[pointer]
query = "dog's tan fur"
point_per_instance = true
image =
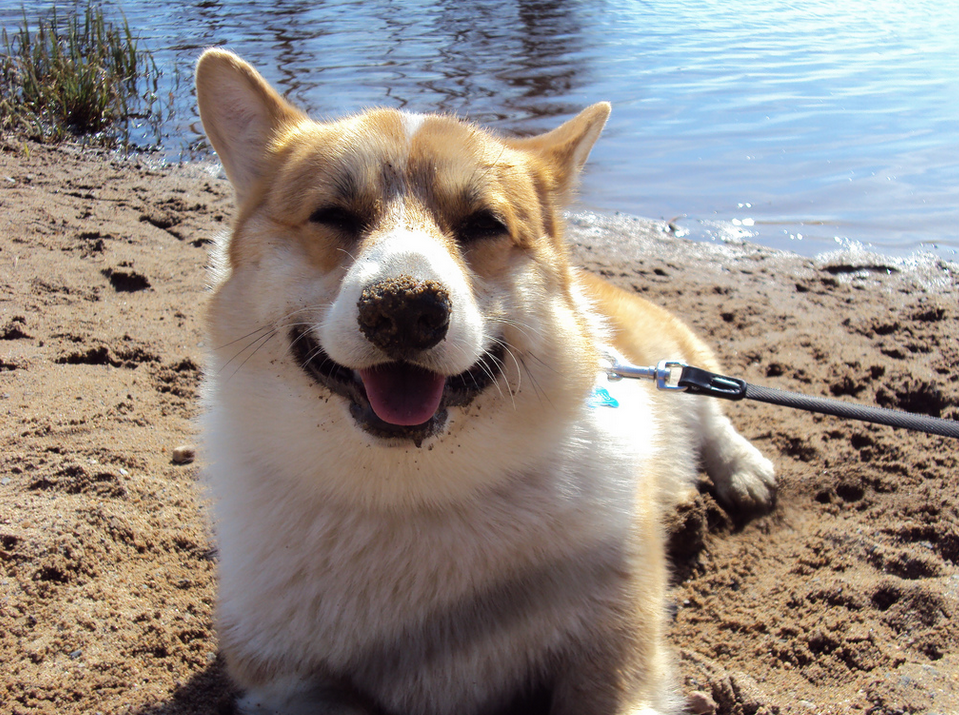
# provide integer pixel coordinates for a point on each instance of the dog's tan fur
(505, 553)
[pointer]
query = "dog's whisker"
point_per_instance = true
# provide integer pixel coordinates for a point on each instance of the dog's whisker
(314, 354)
(343, 250)
(498, 363)
(263, 340)
(249, 345)
(260, 340)
(243, 337)
(540, 393)
(528, 331)
(520, 368)
(298, 337)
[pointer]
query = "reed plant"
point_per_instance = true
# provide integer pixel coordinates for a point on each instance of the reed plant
(79, 75)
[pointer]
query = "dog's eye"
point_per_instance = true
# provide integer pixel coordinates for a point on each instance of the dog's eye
(338, 218)
(480, 225)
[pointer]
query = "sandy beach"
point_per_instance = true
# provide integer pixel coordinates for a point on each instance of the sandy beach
(844, 599)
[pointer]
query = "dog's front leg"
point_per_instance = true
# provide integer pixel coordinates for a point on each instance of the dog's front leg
(626, 670)
(595, 693)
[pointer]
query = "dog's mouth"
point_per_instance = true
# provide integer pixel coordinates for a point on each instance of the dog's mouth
(398, 399)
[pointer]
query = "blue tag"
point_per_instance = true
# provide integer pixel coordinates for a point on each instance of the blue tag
(602, 398)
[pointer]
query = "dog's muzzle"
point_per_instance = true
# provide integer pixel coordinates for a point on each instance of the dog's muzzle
(399, 398)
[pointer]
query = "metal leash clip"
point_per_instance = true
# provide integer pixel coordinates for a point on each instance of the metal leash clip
(666, 373)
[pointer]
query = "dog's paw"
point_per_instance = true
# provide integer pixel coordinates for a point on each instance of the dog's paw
(746, 482)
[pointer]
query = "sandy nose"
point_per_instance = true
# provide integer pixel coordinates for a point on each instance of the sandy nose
(402, 315)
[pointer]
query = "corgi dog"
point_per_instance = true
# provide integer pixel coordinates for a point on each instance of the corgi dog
(421, 505)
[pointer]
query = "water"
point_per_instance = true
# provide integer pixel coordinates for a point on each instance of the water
(795, 126)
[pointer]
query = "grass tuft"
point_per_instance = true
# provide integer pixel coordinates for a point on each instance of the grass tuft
(76, 76)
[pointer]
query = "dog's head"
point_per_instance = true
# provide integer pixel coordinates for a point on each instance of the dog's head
(410, 264)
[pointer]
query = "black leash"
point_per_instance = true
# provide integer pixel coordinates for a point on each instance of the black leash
(675, 375)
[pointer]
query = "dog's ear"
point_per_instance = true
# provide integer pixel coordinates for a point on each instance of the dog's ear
(241, 115)
(566, 148)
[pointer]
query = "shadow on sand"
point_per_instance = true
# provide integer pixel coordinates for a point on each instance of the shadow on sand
(208, 692)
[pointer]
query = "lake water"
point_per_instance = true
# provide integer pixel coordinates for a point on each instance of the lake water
(794, 125)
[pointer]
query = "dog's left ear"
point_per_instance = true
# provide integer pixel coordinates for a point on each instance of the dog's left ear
(566, 148)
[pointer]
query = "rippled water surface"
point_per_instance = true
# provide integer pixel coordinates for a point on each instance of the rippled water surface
(795, 125)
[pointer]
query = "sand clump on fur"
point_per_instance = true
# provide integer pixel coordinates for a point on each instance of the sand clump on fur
(842, 600)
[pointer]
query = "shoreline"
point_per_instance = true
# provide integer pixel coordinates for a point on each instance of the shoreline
(651, 237)
(209, 165)
(845, 599)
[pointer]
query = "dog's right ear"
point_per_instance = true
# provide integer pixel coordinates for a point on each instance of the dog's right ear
(241, 116)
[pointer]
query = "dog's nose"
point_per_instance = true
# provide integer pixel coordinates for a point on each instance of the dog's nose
(402, 315)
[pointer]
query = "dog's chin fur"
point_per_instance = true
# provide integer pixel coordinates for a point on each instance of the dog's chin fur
(506, 550)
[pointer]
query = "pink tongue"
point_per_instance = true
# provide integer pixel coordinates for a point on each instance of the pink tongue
(403, 394)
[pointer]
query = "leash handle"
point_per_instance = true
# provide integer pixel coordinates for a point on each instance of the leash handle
(678, 376)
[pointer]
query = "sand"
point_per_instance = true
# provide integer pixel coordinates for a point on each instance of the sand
(844, 599)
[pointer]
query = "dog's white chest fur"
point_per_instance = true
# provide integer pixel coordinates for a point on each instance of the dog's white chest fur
(404, 599)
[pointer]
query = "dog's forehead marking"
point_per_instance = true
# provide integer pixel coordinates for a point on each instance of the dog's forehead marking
(411, 123)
